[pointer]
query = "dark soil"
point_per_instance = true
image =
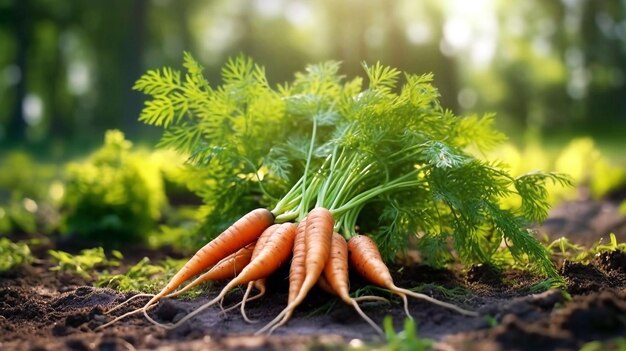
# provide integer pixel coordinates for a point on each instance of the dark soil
(44, 310)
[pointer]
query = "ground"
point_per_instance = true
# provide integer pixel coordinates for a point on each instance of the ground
(44, 310)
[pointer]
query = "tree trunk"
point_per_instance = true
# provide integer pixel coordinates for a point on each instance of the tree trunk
(17, 124)
(135, 44)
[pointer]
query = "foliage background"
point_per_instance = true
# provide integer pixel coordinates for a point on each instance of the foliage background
(547, 67)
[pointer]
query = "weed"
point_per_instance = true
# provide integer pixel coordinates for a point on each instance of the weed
(564, 249)
(143, 276)
(86, 262)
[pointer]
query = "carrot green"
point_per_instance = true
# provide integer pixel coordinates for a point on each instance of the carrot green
(379, 152)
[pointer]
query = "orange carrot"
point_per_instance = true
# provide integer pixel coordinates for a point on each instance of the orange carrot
(246, 230)
(241, 233)
(297, 269)
(366, 259)
(260, 283)
(317, 237)
(323, 284)
(336, 274)
(227, 268)
(277, 248)
(296, 272)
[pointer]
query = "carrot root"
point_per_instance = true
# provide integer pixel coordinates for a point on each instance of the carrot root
(243, 304)
(238, 304)
(366, 259)
(370, 298)
(366, 318)
(122, 304)
(317, 238)
(401, 291)
(119, 318)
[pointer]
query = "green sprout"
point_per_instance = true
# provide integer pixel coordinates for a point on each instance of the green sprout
(407, 339)
(86, 263)
(142, 276)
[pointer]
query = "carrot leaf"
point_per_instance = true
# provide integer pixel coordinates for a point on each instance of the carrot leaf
(383, 156)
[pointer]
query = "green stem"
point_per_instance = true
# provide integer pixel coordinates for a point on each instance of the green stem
(258, 177)
(310, 153)
(365, 196)
(288, 198)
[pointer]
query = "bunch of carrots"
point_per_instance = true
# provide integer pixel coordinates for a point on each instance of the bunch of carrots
(385, 152)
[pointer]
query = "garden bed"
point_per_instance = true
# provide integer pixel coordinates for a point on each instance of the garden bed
(45, 310)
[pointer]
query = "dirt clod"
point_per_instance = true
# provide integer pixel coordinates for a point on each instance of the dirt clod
(611, 261)
(167, 311)
(484, 274)
(595, 316)
(583, 278)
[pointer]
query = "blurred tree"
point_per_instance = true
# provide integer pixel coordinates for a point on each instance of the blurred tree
(67, 68)
(603, 43)
(560, 66)
(20, 26)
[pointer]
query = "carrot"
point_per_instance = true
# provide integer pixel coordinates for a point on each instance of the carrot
(317, 237)
(297, 269)
(241, 233)
(323, 284)
(225, 269)
(366, 259)
(336, 274)
(296, 272)
(260, 283)
(276, 249)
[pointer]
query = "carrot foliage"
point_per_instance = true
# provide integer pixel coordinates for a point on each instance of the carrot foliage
(379, 151)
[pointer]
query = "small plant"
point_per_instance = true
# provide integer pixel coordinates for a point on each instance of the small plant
(13, 254)
(407, 339)
(563, 248)
(115, 196)
(143, 276)
(86, 262)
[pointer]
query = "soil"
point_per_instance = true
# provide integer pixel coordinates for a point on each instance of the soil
(44, 310)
